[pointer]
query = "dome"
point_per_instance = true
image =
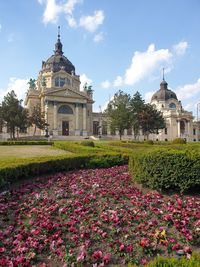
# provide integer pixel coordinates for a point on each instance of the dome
(164, 93)
(58, 61)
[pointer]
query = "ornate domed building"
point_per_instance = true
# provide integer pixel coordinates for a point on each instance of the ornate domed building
(68, 111)
(179, 122)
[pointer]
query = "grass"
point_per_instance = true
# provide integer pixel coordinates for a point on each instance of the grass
(17, 152)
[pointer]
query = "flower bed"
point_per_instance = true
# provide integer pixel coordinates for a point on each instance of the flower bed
(93, 217)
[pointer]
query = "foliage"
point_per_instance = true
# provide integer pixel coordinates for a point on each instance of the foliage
(13, 114)
(119, 112)
(92, 218)
(149, 142)
(194, 261)
(87, 143)
(25, 142)
(150, 120)
(38, 118)
(137, 105)
(166, 169)
(179, 141)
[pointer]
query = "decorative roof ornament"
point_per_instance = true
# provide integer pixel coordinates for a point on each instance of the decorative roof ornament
(58, 45)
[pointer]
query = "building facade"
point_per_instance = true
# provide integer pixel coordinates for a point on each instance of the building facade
(69, 111)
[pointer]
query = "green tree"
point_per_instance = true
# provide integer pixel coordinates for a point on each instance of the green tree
(119, 112)
(1, 118)
(150, 120)
(37, 118)
(22, 120)
(11, 112)
(137, 105)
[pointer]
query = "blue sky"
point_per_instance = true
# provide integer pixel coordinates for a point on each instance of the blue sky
(114, 44)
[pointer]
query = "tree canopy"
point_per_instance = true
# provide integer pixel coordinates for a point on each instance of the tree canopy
(125, 112)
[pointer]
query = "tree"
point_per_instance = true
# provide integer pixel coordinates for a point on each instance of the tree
(22, 120)
(137, 105)
(150, 120)
(1, 119)
(11, 112)
(119, 112)
(37, 118)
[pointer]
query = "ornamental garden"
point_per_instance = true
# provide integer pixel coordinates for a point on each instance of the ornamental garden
(102, 203)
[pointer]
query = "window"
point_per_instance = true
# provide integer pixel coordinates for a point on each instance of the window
(65, 109)
(60, 82)
(95, 127)
(194, 131)
(172, 105)
(165, 130)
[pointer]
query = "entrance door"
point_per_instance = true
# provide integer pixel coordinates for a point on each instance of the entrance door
(65, 128)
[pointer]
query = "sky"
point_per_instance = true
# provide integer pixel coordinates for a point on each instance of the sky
(113, 44)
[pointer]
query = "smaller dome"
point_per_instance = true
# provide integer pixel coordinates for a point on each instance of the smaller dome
(164, 93)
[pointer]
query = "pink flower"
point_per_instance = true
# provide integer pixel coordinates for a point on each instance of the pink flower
(122, 247)
(97, 254)
(106, 258)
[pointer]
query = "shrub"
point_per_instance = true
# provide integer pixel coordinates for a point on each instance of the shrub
(87, 143)
(164, 169)
(149, 142)
(179, 141)
(194, 261)
(24, 142)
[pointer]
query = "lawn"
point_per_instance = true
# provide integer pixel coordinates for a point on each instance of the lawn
(98, 217)
(29, 151)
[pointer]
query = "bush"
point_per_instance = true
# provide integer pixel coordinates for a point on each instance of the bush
(24, 142)
(166, 169)
(149, 142)
(179, 141)
(194, 261)
(87, 143)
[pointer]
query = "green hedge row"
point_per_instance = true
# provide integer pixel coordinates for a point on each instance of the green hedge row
(24, 142)
(194, 261)
(166, 169)
(23, 168)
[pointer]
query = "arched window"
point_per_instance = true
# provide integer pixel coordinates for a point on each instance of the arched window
(172, 105)
(60, 82)
(65, 109)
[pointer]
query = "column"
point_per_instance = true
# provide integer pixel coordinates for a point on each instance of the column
(55, 115)
(179, 130)
(84, 120)
(188, 130)
(55, 129)
(77, 129)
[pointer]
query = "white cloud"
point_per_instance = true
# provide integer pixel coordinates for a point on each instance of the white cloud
(98, 37)
(71, 21)
(52, 11)
(91, 23)
(118, 81)
(180, 48)
(148, 96)
(105, 84)
(84, 79)
(0, 27)
(143, 65)
(70, 5)
(188, 90)
(18, 85)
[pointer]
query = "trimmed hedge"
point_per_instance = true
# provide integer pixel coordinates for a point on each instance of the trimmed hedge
(162, 169)
(179, 141)
(11, 172)
(24, 142)
(194, 261)
(87, 143)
